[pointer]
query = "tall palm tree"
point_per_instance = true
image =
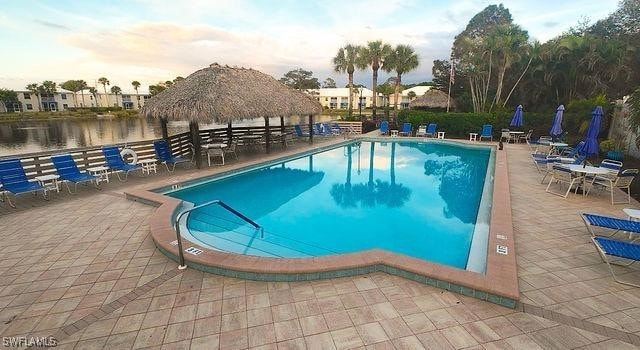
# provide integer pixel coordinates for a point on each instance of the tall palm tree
(33, 87)
(104, 81)
(94, 92)
(403, 59)
(344, 62)
(82, 85)
(373, 54)
(136, 85)
(116, 90)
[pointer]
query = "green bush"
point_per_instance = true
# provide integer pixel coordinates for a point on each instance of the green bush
(95, 109)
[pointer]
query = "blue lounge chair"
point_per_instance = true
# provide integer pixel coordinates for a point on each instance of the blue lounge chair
(432, 130)
(609, 247)
(164, 155)
(384, 127)
(610, 223)
(14, 180)
(69, 172)
(326, 129)
(317, 130)
(406, 129)
(487, 132)
(299, 132)
(116, 164)
(335, 129)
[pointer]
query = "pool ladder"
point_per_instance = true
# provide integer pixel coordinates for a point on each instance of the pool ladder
(176, 224)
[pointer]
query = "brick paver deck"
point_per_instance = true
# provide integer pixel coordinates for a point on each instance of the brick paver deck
(84, 268)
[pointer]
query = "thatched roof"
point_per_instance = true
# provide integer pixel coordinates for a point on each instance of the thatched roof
(432, 99)
(223, 94)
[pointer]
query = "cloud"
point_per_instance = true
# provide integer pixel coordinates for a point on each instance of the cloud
(51, 24)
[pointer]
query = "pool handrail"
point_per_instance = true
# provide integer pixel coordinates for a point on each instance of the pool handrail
(176, 224)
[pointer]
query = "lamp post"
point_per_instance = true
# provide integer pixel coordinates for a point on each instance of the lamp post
(360, 102)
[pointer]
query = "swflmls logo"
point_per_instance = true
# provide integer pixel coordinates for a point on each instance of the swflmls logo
(47, 342)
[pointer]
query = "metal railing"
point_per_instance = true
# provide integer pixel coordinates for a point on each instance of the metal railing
(176, 224)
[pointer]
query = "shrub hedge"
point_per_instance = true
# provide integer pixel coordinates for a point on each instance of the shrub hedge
(459, 125)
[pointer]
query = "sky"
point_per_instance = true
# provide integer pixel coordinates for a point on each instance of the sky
(157, 40)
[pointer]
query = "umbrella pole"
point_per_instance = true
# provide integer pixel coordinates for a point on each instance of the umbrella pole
(195, 139)
(267, 132)
(310, 128)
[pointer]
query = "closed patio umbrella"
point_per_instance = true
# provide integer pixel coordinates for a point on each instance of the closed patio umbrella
(517, 120)
(556, 126)
(590, 146)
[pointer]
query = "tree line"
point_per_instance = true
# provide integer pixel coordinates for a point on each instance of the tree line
(48, 88)
(496, 64)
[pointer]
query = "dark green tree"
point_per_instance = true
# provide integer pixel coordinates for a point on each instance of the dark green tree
(300, 79)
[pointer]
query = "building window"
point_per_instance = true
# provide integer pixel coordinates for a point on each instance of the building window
(27, 96)
(126, 97)
(29, 106)
(146, 97)
(65, 106)
(63, 96)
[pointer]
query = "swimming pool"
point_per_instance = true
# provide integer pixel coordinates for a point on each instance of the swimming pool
(423, 199)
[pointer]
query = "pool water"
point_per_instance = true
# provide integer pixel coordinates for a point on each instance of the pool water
(415, 198)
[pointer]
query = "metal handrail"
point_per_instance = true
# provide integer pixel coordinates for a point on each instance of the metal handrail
(224, 205)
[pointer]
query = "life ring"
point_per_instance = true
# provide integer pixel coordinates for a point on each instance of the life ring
(131, 153)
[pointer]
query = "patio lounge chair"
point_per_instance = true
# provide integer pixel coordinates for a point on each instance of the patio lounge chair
(384, 127)
(116, 164)
(319, 130)
(14, 180)
(487, 132)
(299, 132)
(561, 175)
(609, 248)
(592, 221)
(525, 137)
(69, 172)
(335, 129)
(406, 130)
(432, 130)
(620, 181)
(164, 155)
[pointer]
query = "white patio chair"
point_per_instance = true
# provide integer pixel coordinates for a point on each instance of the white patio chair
(562, 176)
(621, 181)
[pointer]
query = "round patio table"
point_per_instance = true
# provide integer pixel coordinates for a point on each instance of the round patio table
(586, 170)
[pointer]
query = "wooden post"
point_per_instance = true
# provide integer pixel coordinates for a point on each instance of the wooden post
(310, 128)
(163, 126)
(282, 132)
(229, 133)
(267, 134)
(195, 140)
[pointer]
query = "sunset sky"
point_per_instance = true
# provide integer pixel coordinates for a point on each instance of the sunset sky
(153, 40)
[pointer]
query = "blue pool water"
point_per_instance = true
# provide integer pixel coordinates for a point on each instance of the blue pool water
(418, 199)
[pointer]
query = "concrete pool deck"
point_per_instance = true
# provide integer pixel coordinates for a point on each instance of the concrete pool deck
(85, 269)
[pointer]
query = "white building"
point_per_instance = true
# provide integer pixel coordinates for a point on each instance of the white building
(63, 99)
(338, 98)
(404, 98)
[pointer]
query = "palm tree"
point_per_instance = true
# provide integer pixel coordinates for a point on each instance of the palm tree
(136, 85)
(104, 81)
(373, 54)
(33, 87)
(403, 59)
(345, 61)
(116, 90)
(82, 85)
(94, 92)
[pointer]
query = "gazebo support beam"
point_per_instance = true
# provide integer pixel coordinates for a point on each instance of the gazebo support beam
(310, 128)
(284, 138)
(194, 129)
(163, 127)
(267, 133)
(229, 133)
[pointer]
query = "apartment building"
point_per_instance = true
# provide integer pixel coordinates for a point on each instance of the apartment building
(63, 99)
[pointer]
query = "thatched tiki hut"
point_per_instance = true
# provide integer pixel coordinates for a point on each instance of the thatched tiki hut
(432, 99)
(224, 95)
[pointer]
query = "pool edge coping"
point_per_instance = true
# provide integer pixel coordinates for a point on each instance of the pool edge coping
(499, 284)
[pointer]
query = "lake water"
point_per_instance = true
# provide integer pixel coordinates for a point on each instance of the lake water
(19, 137)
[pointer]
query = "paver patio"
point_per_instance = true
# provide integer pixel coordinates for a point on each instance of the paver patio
(84, 268)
